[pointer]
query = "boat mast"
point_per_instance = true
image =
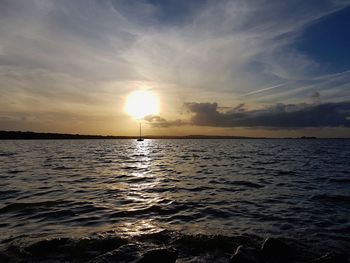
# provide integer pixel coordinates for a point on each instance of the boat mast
(140, 129)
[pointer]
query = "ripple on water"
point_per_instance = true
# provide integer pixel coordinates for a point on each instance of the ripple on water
(255, 187)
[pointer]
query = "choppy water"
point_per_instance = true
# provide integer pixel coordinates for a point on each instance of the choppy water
(124, 189)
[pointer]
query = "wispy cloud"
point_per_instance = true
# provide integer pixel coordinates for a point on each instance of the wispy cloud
(263, 89)
(85, 56)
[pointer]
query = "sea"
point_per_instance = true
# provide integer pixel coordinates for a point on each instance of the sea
(85, 200)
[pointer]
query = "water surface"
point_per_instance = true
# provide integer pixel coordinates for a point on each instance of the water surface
(76, 188)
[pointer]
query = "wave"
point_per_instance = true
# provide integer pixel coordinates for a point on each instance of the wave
(33, 205)
(339, 180)
(109, 247)
(7, 154)
(247, 183)
(342, 199)
(7, 193)
(231, 186)
(170, 209)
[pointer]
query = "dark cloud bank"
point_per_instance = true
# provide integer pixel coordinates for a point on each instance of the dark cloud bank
(284, 116)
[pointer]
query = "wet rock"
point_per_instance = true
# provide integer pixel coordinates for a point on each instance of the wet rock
(94, 246)
(165, 255)
(275, 251)
(332, 258)
(245, 255)
(4, 257)
(125, 253)
(48, 247)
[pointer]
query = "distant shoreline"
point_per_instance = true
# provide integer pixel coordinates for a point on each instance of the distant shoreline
(19, 135)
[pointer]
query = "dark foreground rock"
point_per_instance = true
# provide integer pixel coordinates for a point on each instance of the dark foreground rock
(137, 253)
(165, 255)
(245, 255)
(125, 253)
(274, 250)
(4, 257)
(168, 247)
(332, 258)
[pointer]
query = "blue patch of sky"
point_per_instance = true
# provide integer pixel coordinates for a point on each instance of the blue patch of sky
(328, 41)
(176, 12)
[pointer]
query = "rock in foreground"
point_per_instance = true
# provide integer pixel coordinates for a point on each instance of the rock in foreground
(331, 258)
(274, 250)
(245, 255)
(159, 255)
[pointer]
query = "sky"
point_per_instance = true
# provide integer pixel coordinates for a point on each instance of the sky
(242, 67)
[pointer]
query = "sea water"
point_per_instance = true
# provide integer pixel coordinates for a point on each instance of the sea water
(179, 190)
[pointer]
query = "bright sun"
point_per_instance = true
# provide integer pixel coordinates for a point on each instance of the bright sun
(142, 103)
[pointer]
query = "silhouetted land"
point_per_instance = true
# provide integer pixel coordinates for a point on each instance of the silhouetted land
(19, 135)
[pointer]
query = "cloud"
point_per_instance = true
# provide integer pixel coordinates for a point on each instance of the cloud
(315, 95)
(284, 116)
(86, 56)
(159, 122)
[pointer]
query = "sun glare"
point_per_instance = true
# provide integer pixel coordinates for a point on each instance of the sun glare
(142, 103)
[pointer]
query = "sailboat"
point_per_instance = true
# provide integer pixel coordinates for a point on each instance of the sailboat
(140, 139)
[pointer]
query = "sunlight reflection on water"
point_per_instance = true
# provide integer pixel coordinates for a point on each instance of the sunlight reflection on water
(230, 187)
(138, 228)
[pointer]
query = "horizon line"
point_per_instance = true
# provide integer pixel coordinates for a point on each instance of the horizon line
(31, 135)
